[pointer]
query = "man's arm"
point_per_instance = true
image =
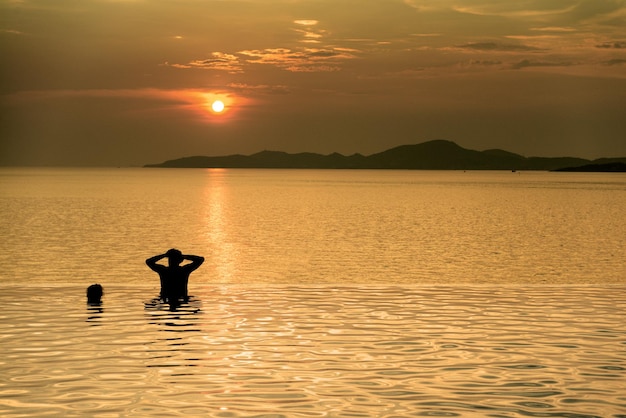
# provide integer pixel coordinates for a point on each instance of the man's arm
(152, 261)
(196, 261)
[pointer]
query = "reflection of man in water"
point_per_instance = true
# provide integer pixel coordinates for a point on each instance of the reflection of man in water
(174, 276)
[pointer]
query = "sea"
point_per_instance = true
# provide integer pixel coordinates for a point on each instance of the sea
(325, 293)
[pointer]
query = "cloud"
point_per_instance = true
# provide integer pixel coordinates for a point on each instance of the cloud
(259, 88)
(493, 46)
(219, 61)
(302, 60)
(310, 34)
(485, 63)
(306, 22)
(528, 63)
(613, 45)
(545, 32)
(608, 12)
(191, 104)
(426, 35)
(11, 31)
(616, 61)
(554, 29)
(521, 9)
(527, 8)
(295, 59)
(143, 93)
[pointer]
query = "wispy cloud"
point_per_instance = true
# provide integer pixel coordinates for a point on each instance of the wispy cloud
(259, 88)
(554, 29)
(529, 63)
(316, 58)
(306, 22)
(303, 60)
(494, 46)
(610, 12)
(616, 61)
(526, 8)
(426, 35)
(194, 103)
(219, 61)
(310, 33)
(516, 35)
(514, 9)
(486, 63)
(164, 95)
(612, 45)
(11, 31)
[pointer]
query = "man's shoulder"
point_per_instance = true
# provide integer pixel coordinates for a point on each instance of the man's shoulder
(192, 266)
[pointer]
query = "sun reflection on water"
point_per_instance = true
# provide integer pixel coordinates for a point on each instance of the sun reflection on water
(224, 257)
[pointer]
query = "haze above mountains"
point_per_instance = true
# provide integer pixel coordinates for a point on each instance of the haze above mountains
(431, 155)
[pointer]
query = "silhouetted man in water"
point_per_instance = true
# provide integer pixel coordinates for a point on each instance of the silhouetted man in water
(94, 294)
(174, 276)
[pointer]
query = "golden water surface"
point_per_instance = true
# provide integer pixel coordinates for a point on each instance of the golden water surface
(325, 293)
(71, 226)
(289, 351)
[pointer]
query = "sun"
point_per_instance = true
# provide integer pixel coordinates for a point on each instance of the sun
(217, 106)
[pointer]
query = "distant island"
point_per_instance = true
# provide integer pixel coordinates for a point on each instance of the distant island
(431, 155)
(615, 167)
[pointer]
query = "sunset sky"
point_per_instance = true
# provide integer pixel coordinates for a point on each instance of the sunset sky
(130, 82)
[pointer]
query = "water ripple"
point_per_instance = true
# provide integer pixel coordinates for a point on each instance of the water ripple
(316, 352)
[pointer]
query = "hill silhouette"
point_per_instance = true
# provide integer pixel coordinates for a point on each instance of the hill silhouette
(431, 155)
(614, 167)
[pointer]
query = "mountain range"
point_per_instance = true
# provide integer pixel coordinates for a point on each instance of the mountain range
(431, 155)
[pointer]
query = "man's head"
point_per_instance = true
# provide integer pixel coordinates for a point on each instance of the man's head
(94, 294)
(174, 256)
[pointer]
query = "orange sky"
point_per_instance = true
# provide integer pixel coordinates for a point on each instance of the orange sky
(130, 82)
